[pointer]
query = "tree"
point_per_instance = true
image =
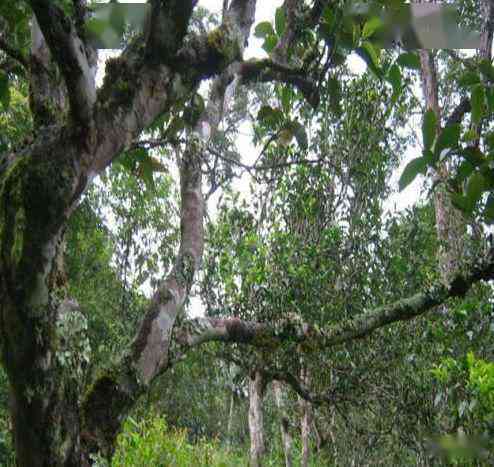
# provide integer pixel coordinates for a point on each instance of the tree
(78, 131)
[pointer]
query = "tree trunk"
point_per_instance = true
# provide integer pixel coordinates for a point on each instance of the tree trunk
(286, 438)
(229, 427)
(305, 422)
(256, 424)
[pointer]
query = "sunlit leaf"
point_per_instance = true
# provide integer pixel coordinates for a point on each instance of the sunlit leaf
(477, 103)
(371, 26)
(264, 29)
(414, 167)
(279, 21)
(429, 127)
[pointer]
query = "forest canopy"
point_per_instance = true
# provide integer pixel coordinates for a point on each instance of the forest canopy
(201, 262)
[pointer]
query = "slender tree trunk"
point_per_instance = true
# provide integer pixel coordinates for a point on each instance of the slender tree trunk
(256, 423)
(286, 437)
(229, 428)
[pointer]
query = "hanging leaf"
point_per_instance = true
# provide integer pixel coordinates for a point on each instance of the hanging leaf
(145, 172)
(394, 77)
(465, 169)
(264, 29)
(370, 56)
(280, 21)
(473, 155)
(269, 116)
(413, 168)
(270, 43)
(448, 138)
(489, 209)
(475, 188)
(371, 26)
(477, 102)
(487, 69)
(429, 128)
(300, 135)
(409, 60)
(469, 78)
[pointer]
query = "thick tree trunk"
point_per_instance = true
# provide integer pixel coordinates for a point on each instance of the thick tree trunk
(286, 437)
(256, 423)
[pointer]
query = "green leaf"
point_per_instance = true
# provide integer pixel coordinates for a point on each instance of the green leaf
(371, 26)
(461, 202)
(429, 126)
(334, 87)
(489, 97)
(270, 43)
(487, 69)
(394, 77)
(489, 209)
(413, 168)
(264, 29)
(4, 90)
(300, 135)
(477, 102)
(371, 56)
(474, 190)
(269, 116)
(469, 78)
(280, 21)
(448, 138)
(465, 169)
(409, 60)
(473, 155)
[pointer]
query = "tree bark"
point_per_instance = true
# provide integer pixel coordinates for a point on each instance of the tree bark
(256, 423)
(286, 437)
(305, 421)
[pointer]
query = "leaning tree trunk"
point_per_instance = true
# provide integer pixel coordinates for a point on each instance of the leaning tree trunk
(256, 423)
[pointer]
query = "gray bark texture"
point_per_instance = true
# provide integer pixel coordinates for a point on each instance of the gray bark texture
(256, 422)
(286, 437)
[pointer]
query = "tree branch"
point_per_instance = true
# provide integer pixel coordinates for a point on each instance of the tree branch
(486, 33)
(233, 330)
(266, 71)
(71, 56)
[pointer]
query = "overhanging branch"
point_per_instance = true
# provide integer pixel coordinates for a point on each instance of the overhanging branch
(233, 330)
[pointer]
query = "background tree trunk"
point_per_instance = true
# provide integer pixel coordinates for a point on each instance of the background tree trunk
(286, 438)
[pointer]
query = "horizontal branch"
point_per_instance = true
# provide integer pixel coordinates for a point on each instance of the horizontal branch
(266, 71)
(233, 330)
